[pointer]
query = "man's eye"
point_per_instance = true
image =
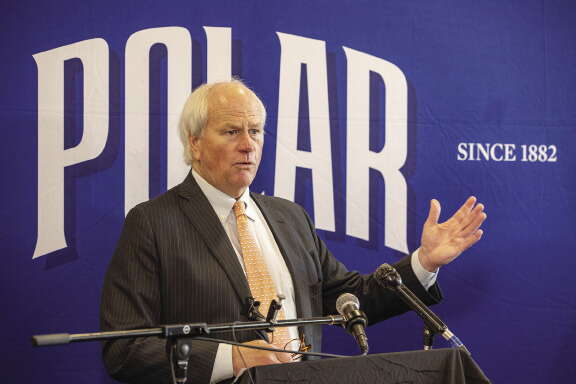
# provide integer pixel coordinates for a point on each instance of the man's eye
(231, 132)
(254, 131)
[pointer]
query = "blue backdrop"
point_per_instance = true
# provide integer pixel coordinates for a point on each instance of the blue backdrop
(490, 111)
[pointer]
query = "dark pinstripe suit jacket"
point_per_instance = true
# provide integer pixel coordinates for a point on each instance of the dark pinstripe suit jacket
(174, 263)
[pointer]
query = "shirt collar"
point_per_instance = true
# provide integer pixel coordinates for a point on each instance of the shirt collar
(221, 202)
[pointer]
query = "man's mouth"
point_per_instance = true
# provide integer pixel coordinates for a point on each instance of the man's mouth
(244, 164)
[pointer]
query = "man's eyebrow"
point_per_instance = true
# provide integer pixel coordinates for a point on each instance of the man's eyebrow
(226, 126)
(231, 125)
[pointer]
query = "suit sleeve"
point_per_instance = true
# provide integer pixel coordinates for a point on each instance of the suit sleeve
(131, 299)
(378, 303)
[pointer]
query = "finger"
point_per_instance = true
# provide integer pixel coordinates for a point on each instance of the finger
(464, 210)
(434, 213)
(473, 216)
(472, 239)
(474, 224)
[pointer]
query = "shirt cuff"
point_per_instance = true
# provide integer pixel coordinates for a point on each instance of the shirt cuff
(426, 278)
(223, 368)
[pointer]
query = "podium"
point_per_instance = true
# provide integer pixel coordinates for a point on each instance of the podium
(438, 366)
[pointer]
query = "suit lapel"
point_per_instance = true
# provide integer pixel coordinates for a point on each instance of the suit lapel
(202, 216)
(281, 231)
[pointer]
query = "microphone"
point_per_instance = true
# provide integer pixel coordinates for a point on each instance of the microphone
(348, 306)
(387, 277)
(274, 308)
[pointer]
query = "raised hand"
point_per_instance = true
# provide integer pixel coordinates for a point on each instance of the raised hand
(443, 242)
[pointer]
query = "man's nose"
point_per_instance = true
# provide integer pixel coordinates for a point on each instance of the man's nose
(246, 142)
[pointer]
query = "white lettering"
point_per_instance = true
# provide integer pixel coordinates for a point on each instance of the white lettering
(483, 150)
(462, 155)
(493, 152)
(487, 151)
(219, 53)
(52, 157)
(388, 161)
(179, 46)
(296, 51)
(509, 152)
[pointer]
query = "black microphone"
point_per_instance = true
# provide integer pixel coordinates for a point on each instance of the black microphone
(348, 306)
(274, 310)
(386, 276)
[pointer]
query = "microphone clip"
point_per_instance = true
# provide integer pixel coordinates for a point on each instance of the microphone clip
(353, 318)
(274, 310)
(252, 309)
(428, 338)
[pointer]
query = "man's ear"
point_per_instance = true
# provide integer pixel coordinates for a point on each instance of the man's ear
(194, 142)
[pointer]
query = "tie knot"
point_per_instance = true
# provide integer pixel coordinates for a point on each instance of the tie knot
(239, 208)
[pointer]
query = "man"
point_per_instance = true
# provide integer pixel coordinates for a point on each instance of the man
(185, 257)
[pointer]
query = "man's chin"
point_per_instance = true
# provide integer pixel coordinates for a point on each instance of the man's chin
(242, 181)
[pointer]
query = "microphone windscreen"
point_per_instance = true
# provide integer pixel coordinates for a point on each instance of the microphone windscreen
(346, 299)
(387, 276)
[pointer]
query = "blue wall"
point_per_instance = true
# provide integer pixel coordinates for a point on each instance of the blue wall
(490, 72)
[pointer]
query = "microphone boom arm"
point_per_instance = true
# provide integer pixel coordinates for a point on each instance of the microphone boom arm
(388, 277)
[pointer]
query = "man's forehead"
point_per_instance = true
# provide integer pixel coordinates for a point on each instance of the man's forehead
(226, 93)
(234, 98)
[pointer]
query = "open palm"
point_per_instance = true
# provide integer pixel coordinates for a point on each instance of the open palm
(443, 242)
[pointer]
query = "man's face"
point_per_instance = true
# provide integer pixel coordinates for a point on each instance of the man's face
(227, 152)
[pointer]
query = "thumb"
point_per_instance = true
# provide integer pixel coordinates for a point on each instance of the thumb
(434, 213)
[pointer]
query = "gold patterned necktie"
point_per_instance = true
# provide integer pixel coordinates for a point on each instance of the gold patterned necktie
(260, 281)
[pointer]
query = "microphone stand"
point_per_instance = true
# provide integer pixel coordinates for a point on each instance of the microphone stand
(179, 336)
(391, 279)
(428, 338)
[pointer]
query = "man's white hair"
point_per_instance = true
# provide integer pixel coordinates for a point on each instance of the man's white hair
(195, 114)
